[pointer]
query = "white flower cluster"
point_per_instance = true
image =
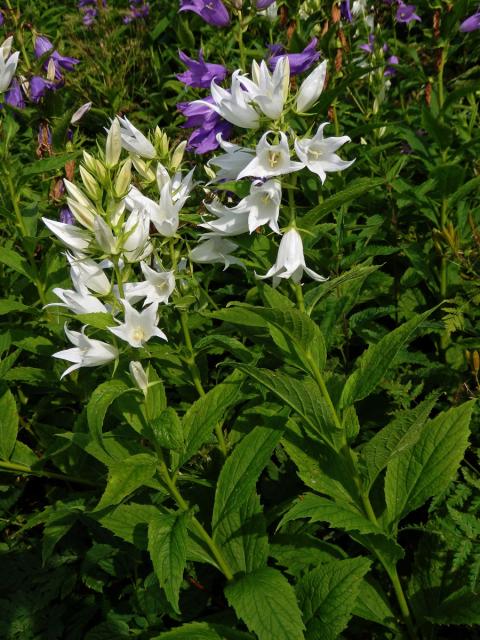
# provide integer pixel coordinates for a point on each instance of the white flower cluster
(113, 262)
(250, 102)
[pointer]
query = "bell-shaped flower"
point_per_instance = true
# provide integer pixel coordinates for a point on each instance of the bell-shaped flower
(104, 236)
(8, 64)
(318, 153)
(71, 236)
(299, 62)
(271, 159)
(78, 301)
(139, 326)
(234, 105)
(290, 261)
(232, 162)
(87, 351)
(215, 250)
(134, 141)
(85, 271)
(135, 245)
(269, 91)
(260, 207)
(157, 287)
(311, 88)
(200, 73)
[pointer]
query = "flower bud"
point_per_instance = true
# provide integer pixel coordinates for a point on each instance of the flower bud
(177, 156)
(113, 147)
(123, 179)
(139, 375)
(161, 140)
(311, 88)
(143, 169)
(104, 236)
(91, 185)
(51, 70)
(89, 162)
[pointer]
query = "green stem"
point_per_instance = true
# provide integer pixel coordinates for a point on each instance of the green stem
(241, 47)
(402, 602)
(12, 467)
(200, 530)
(24, 232)
(195, 373)
(299, 295)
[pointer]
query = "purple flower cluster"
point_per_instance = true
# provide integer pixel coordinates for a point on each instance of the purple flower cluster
(299, 62)
(206, 122)
(43, 48)
(89, 9)
(138, 9)
(406, 13)
(392, 61)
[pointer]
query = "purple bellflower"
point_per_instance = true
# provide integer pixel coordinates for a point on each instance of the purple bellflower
(14, 96)
(43, 46)
(406, 13)
(471, 24)
(299, 62)
(89, 9)
(138, 9)
(368, 47)
(39, 86)
(212, 11)
(2, 19)
(390, 70)
(66, 216)
(200, 74)
(263, 4)
(345, 11)
(208, 123)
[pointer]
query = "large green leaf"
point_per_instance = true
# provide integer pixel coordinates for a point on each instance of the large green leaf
(460, 607)
(101, 399)
(207, 411)
(242, 469)
(125, 476)
(372, 604)
(426, 468)
(204, 631)
(266, 602)
(8, 423)
(302, 395)
(392, 440)
(242, 536)
(339, 516)
(128, 521)
(328, 595)
(376, 361)
(167, 545)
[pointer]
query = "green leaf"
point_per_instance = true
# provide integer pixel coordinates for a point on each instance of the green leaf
(242, 536)
(301, 395)
(97, 320)
(8, 422)
(128, 521)
(352, 192)
(47, 165)
(328, 595)
(125, 476)
(201, 418)
(426, 468)
(296, 335)
(167, 545)
(156, 400)
(266, 602)
(399, 435)
(313, 296)
(7, 306)
(101, 399)
(15, 261)
(372, 604)
(204, 631)
(242, 469)
(460, 607)
(166, 430)
(376, 361)
(339, 516)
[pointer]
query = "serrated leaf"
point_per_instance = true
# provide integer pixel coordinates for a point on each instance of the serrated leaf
(242, 469)
(204, 631)
(7, 306)
(166, 430)
(167, 545)
(266, 602)
(301, 395)
(125, 476)
(101, 399)
(339, 516)
(328, 595)
(426, 468)
(128, 521)
(201, 418)
(399, 435)
(242, 536)
(15, 261)
(460, 607)
(376, 361)
(8, 422)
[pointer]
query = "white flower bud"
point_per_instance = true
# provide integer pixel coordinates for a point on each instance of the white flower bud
(123, 179)
(113, 147)
(139, 375)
